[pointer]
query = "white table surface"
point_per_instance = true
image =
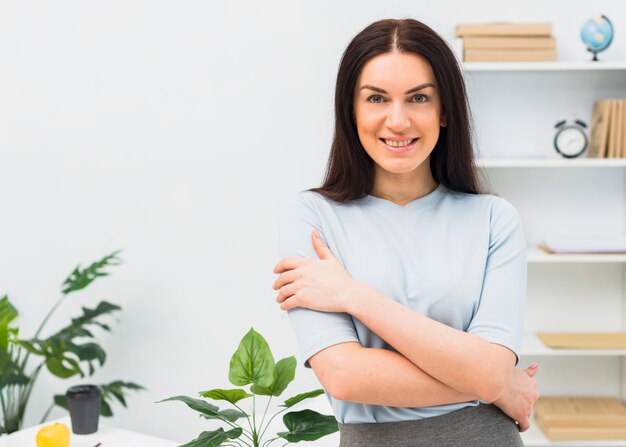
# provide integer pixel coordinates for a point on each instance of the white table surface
(107, 436)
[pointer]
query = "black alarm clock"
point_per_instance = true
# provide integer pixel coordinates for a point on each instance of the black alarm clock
(570, 140)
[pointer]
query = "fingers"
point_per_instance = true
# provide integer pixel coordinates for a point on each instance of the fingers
(532, 370)
(320, 247)
(523, 425)
(290, 303)
(286, 292)
(285, 278)
(289, 264)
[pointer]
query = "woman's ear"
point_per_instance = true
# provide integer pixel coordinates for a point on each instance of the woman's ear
(443, 122)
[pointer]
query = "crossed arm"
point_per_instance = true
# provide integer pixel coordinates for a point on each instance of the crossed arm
(436, 364)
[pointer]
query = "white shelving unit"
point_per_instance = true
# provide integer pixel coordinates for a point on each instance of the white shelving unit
(544, 66)
(552, 163)
(531, 344)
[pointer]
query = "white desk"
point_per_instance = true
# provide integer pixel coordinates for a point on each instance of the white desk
(107, 436)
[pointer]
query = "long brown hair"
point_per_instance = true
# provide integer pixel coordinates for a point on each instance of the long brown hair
(350, 170)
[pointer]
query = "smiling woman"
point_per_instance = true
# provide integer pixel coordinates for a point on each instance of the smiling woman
(403, 281)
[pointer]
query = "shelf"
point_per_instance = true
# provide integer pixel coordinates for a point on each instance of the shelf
(533, 346)
(550, 163)
(538, 256)
(544, 66)
(534, 437)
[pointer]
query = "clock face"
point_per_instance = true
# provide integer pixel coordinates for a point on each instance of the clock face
(571, 141)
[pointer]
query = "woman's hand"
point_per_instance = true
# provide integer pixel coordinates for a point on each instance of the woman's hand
(321, 284)
(519, 396)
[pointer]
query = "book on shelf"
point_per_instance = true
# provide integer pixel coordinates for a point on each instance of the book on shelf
(503, 29)
(583, 340)
(506, 42)
(607, 137)
(509, 42)
(599, 129)
(570, 418)
(509, 55)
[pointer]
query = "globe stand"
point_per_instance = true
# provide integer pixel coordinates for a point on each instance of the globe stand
(595, 54)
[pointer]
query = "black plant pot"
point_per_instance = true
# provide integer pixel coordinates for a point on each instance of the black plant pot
(84, 405)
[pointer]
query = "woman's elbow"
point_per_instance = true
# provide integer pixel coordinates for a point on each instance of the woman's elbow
(331, 366)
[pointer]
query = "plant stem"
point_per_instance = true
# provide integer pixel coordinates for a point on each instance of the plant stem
(266, 443)
(247, 417)
(43, 419)
(4, 408)
(254, 432)
(234, 425)
(270, 421)
(265, 412)
(45, 320)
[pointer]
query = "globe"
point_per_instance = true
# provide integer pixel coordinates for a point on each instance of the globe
(597, 34)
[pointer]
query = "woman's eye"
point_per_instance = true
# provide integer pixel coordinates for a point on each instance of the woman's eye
(420, 98)
(375, 99)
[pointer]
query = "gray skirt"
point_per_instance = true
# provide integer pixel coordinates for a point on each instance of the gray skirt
(478, 426)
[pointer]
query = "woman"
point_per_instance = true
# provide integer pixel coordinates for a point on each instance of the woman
(404, 284)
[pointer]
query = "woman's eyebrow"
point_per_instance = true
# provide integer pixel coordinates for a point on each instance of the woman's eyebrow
(413, 90)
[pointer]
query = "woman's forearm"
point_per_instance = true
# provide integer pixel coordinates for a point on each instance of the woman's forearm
(382, 377)
(463, 361)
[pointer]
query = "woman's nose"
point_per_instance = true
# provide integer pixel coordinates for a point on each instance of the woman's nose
(397, 119)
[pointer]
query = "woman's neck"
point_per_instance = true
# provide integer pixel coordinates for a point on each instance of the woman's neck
(401, 191)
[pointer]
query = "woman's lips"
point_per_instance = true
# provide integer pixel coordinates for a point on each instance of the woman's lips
(400, 149)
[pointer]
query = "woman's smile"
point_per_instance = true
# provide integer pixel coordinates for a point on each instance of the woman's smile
(398, 146)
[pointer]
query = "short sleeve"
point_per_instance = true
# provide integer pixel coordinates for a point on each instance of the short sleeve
(500, 313)
(314, 330)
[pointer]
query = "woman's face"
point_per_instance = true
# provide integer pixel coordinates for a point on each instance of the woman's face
(398, 111)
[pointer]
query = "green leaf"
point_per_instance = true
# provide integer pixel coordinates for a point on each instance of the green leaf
(252, 362)
(56, 365)
(87, 352)
(79, 279)
(214, 438)
(105, 409)
(307, 425)
(300, 397)
(61, 401)
(284, 373)
(10, 371)
(30, 347)
(115, 390)
(232, 396)
(198, 405)
(228, 415)
(7, 314)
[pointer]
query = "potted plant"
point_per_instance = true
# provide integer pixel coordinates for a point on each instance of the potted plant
(253, 363)
(61, 353)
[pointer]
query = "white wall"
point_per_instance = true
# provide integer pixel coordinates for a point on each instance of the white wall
(176, 131)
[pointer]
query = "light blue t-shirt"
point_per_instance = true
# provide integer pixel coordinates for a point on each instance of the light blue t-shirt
(456, 258)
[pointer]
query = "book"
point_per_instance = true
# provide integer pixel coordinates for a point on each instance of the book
(623, 125)
(512, 55)
(581, 417)
(619, 139)
(581, 410)
(599, 129)
(503, 29)
(612, 142)
(583, 340)
(523, 42)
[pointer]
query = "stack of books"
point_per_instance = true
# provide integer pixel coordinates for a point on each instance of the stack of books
(583, 340)
(564, 418)
(608, 129)
(507, 42)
